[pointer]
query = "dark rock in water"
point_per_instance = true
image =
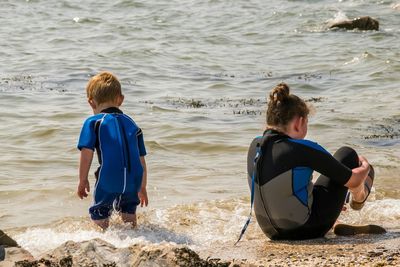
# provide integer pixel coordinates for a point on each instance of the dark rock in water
(7, 241)
(362, 23)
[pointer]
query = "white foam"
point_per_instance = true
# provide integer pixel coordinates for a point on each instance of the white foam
(385, 212)
(198, 225)
(338, 17)
(212, 221)
(353, 61)
(395, 6)
(40, 240)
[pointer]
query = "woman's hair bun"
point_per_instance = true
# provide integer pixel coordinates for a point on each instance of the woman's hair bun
(280, 93)
(284, 106)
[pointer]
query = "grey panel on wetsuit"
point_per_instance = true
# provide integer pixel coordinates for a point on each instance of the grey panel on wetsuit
(259, 209)
(261, 215)
(274, 201)
(284, 208)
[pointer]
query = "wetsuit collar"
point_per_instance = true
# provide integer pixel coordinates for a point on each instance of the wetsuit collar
(112, 110)
(273, 131)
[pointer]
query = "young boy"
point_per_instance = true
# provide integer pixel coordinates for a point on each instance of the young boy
(122, 177)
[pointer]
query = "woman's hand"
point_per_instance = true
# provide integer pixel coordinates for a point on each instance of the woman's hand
(359, 174)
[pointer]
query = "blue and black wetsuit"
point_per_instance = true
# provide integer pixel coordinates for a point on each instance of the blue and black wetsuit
(119, 144)
(287, 204)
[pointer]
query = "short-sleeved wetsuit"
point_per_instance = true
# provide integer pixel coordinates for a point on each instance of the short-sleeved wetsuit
(287, 204)
(119, 144)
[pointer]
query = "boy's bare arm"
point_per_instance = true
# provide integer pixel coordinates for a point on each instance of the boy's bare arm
(143, 191)
(84, 167)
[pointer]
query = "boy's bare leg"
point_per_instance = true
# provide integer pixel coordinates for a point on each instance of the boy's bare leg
(129, 218)
(103, 224)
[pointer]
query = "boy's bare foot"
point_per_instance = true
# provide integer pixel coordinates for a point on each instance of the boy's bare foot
(103, 224)
(129, 218)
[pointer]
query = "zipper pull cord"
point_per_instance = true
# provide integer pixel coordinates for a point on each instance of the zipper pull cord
(258, 153)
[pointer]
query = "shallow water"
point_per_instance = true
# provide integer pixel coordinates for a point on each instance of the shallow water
(201, 226)
(195, 76)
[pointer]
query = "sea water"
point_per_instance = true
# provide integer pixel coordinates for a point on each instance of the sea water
(195, 75)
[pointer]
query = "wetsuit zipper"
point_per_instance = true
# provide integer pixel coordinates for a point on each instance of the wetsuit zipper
(125, 149)
(126, 145)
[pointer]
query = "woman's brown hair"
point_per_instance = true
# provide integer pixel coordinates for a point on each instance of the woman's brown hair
(284, 106)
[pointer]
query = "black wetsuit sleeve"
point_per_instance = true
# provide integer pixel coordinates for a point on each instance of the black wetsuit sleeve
(322, 162)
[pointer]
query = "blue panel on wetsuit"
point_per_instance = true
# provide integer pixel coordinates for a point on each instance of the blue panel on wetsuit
(87, 137)
(301, 178)
(309, 144)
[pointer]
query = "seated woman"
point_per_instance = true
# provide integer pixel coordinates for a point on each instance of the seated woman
(286, 202)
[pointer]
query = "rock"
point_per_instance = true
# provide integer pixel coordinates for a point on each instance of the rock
(98, 252)
(364, 250)
(362, 23)
(13, 255)
(7, 241)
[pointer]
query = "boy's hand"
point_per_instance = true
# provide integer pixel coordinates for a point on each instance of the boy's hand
(143, 197)
(83, 189)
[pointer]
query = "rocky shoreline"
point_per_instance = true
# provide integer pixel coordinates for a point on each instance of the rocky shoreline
(362, 250)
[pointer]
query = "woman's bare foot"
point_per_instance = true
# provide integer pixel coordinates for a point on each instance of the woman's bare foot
(347, 229)
(360, 194)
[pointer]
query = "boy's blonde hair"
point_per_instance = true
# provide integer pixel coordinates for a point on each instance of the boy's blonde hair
(103, 87)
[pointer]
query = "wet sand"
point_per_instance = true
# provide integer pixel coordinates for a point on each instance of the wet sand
(362, 250)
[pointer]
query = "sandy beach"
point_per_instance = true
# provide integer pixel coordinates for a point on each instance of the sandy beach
(362, 250)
